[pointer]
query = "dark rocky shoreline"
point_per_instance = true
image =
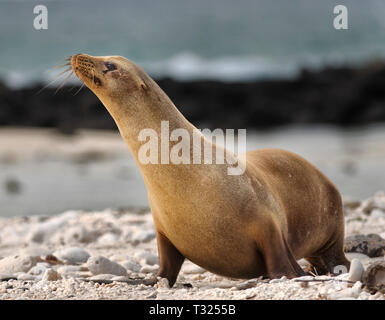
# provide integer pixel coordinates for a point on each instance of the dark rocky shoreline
(340, 96)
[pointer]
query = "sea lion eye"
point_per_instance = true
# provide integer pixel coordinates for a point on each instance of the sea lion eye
(110, 67)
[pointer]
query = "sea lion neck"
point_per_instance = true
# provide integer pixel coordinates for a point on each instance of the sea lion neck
(146, 110)
(151, 110)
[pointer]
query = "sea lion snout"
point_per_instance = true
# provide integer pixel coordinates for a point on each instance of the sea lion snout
(84, 67)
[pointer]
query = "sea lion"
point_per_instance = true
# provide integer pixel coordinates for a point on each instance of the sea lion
(255, 224)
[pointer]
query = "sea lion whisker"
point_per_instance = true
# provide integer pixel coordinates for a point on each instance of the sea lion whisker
(53, 81)
(64, 82)
(81, 87)
(63, 72)
(60, 66)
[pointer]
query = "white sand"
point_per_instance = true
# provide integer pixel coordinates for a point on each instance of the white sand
(128, 238)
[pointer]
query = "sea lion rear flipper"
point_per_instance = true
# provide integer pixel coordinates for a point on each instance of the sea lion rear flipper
(278, 257)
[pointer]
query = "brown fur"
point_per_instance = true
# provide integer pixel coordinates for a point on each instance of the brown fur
(259, 223)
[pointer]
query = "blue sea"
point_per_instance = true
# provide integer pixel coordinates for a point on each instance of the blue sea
(201, 39)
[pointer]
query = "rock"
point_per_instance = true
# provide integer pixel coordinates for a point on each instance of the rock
(39, 269)
(376, 202)
(143, 236)
(303, 263)
(283, 278)
(372, 245)
(51, 275)
(121, 278)
(151, 295)
(150, 269)
(72, 255)
(127, 235)
(25, 277)
(108, 239)
(374, 275)
(71, 269)
(345, 294)
(131, 265)
(43, 231)
(193, 269)
(146, 257)
(356, 270)
(79, 234)
(6, 277)
(101, 265)
(356, 289)
(102, 277)
(35, 251)
(377, 214)
(162, 284)
(14, 264)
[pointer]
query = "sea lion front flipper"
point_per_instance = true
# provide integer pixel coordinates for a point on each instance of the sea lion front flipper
(170, 259)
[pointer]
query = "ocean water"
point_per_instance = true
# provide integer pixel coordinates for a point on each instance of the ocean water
(216, 39)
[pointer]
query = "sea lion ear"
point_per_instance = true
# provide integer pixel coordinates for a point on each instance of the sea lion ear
(143, 86)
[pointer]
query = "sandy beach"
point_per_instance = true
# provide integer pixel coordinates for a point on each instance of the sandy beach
(107, 254)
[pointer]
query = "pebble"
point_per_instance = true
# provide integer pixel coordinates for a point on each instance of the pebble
(152, 295)
(39, 269)
(4, 276)
(14, 264)
(108, 239)
(162, 284)
(131, 265)
(377, 214)
(345, 294)
(376, 202)
(51, 275)
(193, 269)
(73, 255)
(35, 251)
(279, 280)
(102, 277)
(372, 245)
(143, 236)
(149, 269)
(375, 274)
(101, 265)
(71, 269)
(121, 278)
(356, 270)
(42, 232)
(79, 234)
(25, 276)
(146, 257)
(126, 235)
(356, 289)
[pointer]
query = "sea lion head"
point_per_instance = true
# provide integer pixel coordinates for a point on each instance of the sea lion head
(111, 78)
